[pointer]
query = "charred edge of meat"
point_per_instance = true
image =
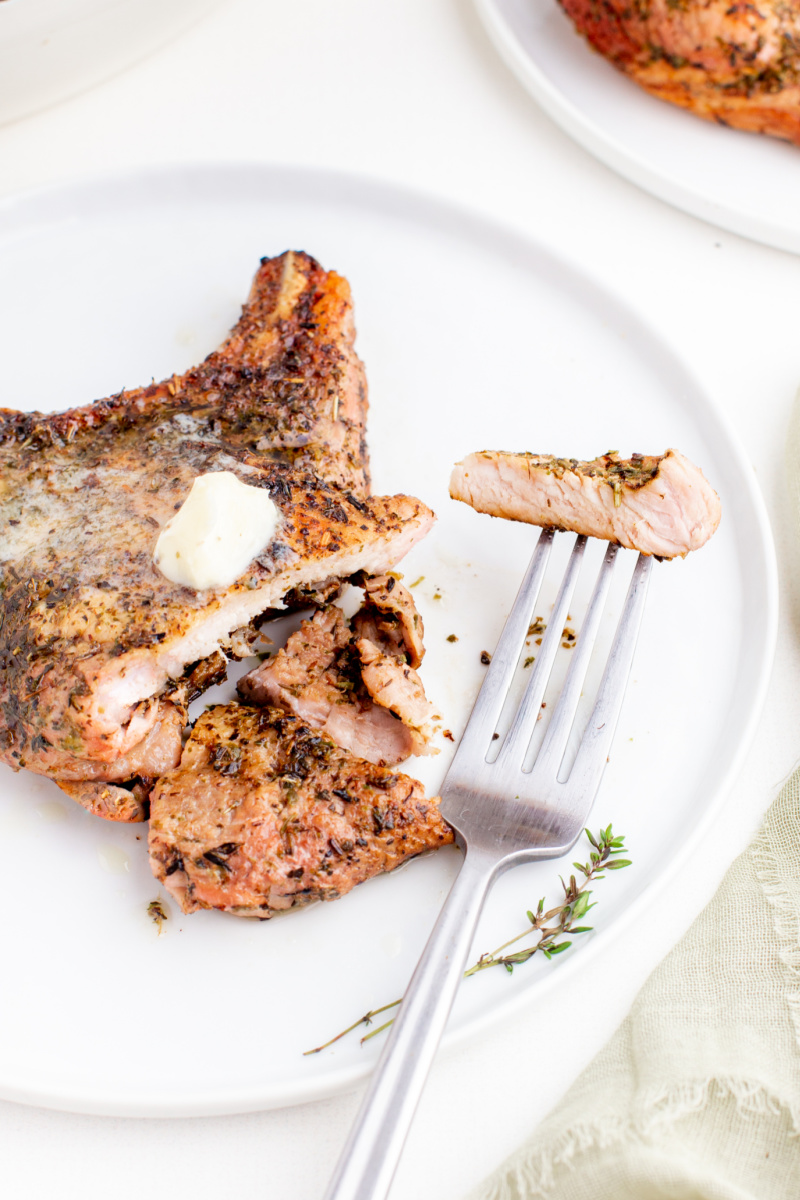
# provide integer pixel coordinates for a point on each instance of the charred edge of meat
(317, 596)
(198, 677)
(175, 864)
(220, 854)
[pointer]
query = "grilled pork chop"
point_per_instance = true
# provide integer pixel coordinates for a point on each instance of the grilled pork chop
(658, 505)
(734, 63)
(265, 814)
(92, 635)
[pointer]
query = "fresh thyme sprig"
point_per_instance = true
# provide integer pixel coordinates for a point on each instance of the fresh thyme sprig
(606, 847)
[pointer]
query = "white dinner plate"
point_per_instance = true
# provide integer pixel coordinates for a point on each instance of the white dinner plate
(738, 181)
(473, 337)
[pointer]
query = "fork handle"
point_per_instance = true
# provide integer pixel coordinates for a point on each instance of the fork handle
(368, 1162)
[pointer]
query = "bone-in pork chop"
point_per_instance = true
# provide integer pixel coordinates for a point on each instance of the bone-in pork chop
(657, 504)
(92, 633)
(264, 814)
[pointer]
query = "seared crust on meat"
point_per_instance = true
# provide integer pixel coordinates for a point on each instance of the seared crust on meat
(657, 504)
(736, 64)
(264, 814)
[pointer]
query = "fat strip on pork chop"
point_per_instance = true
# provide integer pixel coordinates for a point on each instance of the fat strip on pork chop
(265, 814)
(657, 504)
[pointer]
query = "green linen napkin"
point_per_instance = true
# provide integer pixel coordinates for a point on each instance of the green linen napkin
(697, 1095)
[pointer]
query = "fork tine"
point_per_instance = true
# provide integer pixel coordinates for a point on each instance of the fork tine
(513, 750)
(590, 761)
(554, 743)
(491, 697)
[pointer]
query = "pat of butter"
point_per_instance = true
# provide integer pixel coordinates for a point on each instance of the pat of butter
(217, 532)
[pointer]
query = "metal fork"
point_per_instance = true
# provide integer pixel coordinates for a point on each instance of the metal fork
(503, 815)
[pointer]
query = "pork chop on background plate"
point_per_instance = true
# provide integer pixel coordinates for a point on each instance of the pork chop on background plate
(736, 64)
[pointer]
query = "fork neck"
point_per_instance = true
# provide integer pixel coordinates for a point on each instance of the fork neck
(491, 859)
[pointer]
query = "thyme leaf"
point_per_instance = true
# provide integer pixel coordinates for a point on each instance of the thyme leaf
(549, 927)
(157, 913)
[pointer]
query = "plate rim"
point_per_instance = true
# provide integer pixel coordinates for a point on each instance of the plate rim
(616, 155)
(418, 204)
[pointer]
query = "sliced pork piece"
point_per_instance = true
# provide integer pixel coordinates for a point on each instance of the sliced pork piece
(397, 687)
(315, 648)
(317, 676)
(389, 618)
(265, 814)
(657, 504)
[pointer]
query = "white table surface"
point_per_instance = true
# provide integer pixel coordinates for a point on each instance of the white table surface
(412, 92)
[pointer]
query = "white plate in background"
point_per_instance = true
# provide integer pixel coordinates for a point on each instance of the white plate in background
(739, 181)
(473, 337)
(51, 49)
